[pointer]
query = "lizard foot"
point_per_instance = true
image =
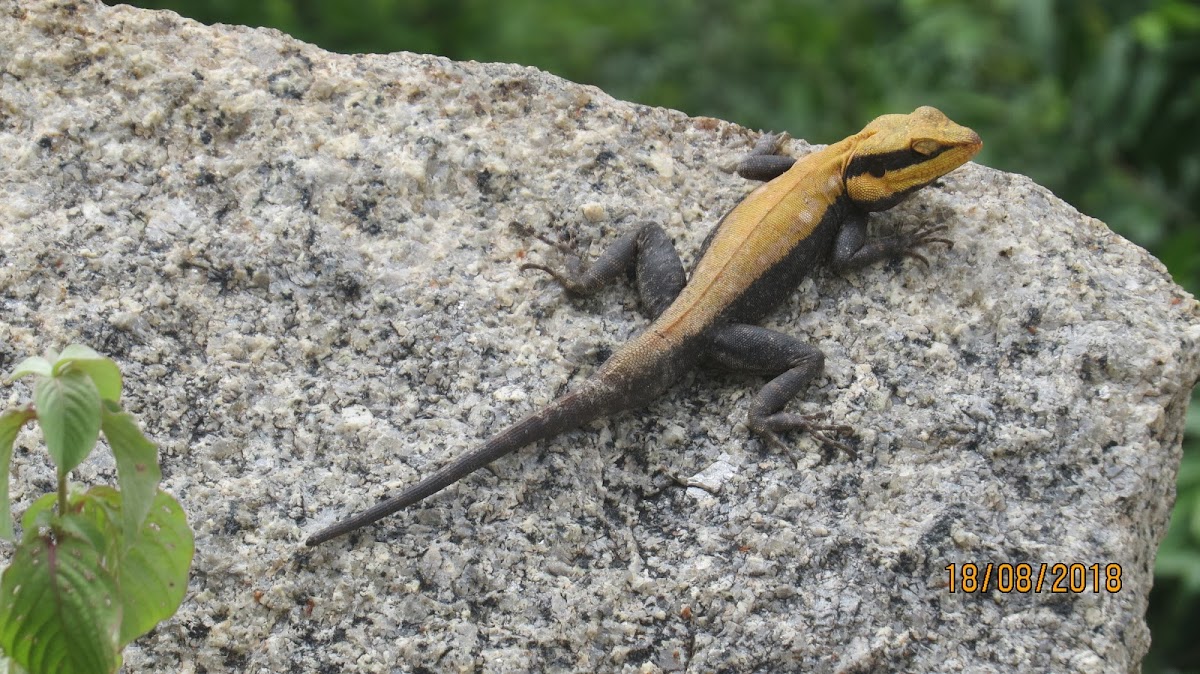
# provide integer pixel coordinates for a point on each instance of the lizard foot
(527, 231)
(813, 424)
(923, 235)
(770, 143)
(569, 279)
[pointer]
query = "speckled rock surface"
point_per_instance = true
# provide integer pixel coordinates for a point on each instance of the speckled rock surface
(304, 264)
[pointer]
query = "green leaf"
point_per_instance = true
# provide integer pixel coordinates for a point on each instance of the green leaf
(103, 371)
(10, 423)
(154, 570)
(74, 352)
(31, 365)
(93, 521)
(137, 466)
(8, 666)
(68, 409)
(38, 515)
(59, 606)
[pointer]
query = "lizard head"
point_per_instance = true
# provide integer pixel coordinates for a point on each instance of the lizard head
(896, 155)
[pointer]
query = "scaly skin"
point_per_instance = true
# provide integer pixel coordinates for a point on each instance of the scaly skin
(812, 212)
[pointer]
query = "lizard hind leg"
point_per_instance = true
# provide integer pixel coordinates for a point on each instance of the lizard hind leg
(793, 364)
(646, 248)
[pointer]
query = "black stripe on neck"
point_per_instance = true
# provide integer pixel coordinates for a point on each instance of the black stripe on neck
(878, 164)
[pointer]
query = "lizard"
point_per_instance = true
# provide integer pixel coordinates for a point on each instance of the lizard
(810, 211)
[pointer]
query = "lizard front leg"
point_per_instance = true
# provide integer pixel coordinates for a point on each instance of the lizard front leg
(853, 250)
(647, 249)
(793, 364)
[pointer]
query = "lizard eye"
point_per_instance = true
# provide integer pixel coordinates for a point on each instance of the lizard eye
(925, 146)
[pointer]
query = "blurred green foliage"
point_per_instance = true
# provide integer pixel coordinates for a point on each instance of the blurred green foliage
(1099, 100)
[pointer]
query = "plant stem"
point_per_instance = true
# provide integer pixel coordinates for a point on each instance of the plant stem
(62, 492)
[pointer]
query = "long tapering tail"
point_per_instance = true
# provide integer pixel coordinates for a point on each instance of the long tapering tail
(590, 401)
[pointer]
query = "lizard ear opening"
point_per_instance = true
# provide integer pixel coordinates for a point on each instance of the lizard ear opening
(925, 146)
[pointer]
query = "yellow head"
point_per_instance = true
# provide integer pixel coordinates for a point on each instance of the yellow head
(895, 155)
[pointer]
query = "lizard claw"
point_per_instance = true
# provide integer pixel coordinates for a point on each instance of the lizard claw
(918, 257)
(540, 267)
(569, 279)
(770, 142)
(813, 424)
(924, 235)
(527, 231)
